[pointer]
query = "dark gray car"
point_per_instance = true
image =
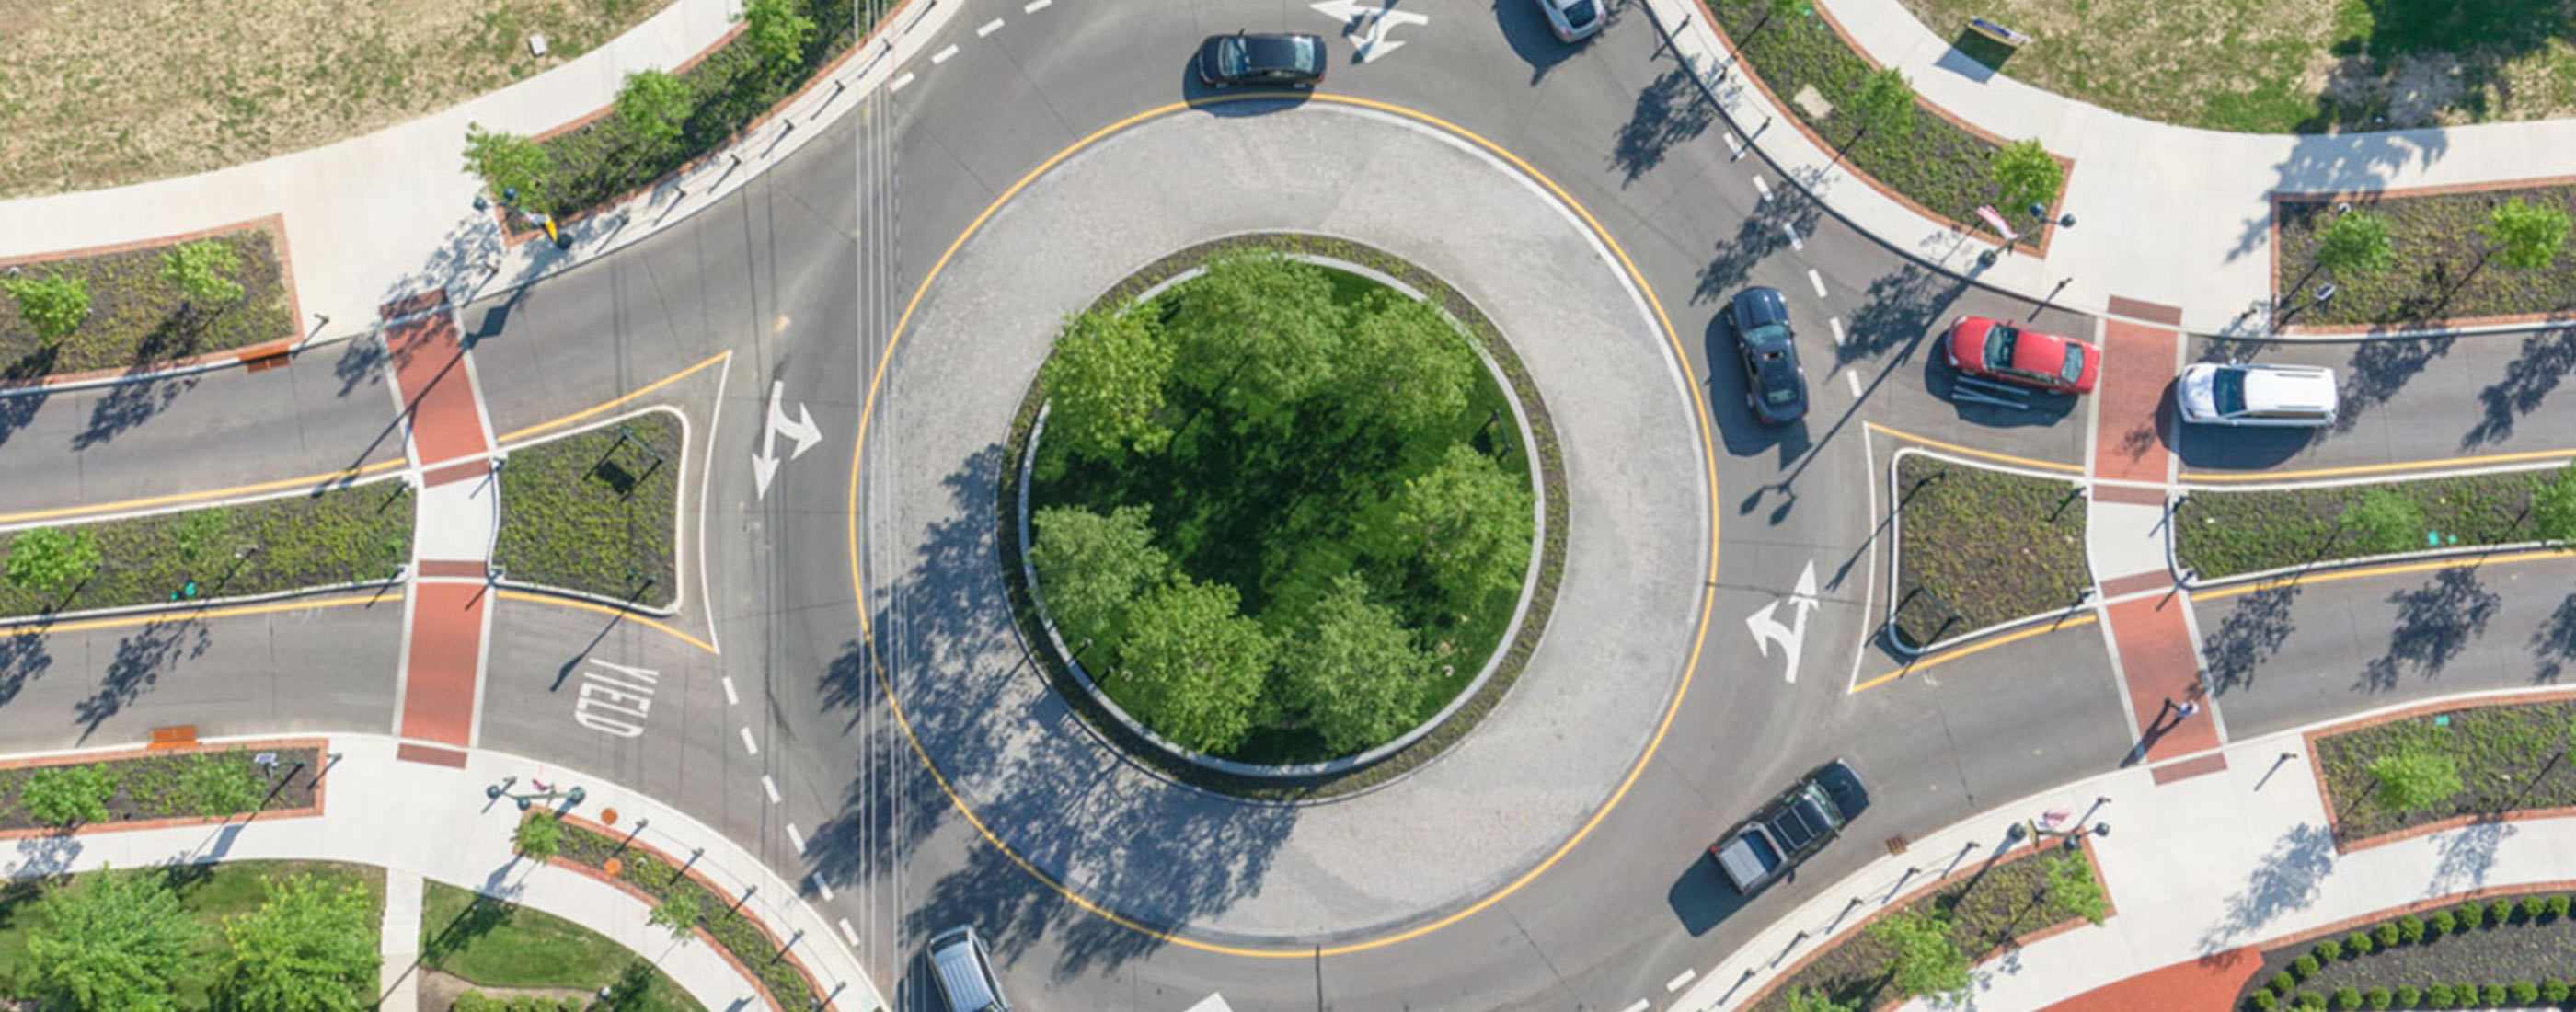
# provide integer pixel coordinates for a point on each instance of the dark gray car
(1290, 60)
(1775, 385)
(1797, 823)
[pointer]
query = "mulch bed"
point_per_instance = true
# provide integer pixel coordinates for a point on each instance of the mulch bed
(138, 320)
(2511, 758)
(2438, 270)
(2521, 949)
(2223, 533)
(596, 512)
(1993, 545)
(173, 785)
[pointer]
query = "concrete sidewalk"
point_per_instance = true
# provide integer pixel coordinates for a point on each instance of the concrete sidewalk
(2195, 867)
(389, 214)
(2167, 214)
(434, 823)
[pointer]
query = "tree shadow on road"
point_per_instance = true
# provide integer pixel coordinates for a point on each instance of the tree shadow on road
(2434, 623)
(2251, 635)
(140, 660)
(1757, 236)
(1899, 312)
(2380, 368)
(1670, 112)
(127, 405)
(2546, 359)
(2555, 642)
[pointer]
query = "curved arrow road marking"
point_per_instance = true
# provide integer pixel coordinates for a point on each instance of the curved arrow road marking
(1372, 43)
(764, 465)
(1792, 636)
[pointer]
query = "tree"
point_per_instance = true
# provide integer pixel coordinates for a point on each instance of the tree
(109, 942)
(1404, 365)
(778, 33)
(1924, 961)
(1090, 566)
(2525, 236)
(1885, 101)
(1816, 999)
(201, 271)
(510, 162)
(1192, 667)
(2414, 780)
(1104, 384)
(53, 305)
(2553, 507)
(2384, 521)
(2027, 174)
(311, 947)
(539, 837)
(1257, 333)
(2355, 245)
(1467, 522)
(680, 914)
(652, 105)
(2072, 886)
(1354, 670)
(64, 795)
(48, 560)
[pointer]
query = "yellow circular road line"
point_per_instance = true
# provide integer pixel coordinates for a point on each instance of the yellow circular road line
(858, 589)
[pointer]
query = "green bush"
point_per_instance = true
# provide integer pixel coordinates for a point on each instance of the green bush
(2328, 951)
(2472, 915)
(2262, 1001)
(2500, 912)
(2284, 983)
(2438, 996)
(2554, 990)
(2533, 907)
(2523, 992)
(2408, 995)
(2410, 929)
(2347, 998)
(2304, 966)
(66, 795)
(2495, 995)
(2441, 924)
(2557, 906)
(2377, 997)
(2311, 1000)
(2358, 945)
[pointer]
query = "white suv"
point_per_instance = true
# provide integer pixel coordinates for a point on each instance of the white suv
(2242, 393)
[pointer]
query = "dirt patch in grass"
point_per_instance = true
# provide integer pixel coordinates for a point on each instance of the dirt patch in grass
(2224, 533)
(1977, 547)
(2439, 265)
(95, 97)
(2284, 66)
(498, 948)
(2510, 758)
(211, 893)
(596, 511)
(2519, 948)
(1932, 161)
(356, 534)
(1986, 911)
(138, 319)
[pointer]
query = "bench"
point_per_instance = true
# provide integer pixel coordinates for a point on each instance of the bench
(182, 736)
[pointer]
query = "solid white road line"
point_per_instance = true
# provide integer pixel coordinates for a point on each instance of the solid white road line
(1758, 184)
(1851, 377)
(730, 698)
(821, 886)
(770, 787)
(848, 934)
(942, 56)
(795, 837)
(1817, 280)
(1676, 983)
(900, 82)
(749, 745)
(1034, 6)
(1838, 330)
(1795, 243)
(989, 28)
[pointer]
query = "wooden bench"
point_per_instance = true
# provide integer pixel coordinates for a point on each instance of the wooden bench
(182, 736)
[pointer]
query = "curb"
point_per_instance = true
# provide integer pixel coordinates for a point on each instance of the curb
(1895, 557)
(273, 223)
(39, 624)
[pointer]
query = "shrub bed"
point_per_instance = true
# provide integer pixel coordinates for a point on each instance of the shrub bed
(2439, 268)
(596, 511)
(1993, 545)
(749, 944)
(2220, 533)
(2506, 757)
(139, 319)
(215, 783)
(351, 534)
(1980, 914)
(2513, 951)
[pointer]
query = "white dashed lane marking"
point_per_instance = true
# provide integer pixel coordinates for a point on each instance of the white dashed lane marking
(942, 56)
(1676, 983)
(989, 28)
(1852, 380)
(1034, 6)
(770, 787)
(1758, 184)
(730, 698)
(749, 745)
(900, 82)
(847, 933)
(1817, 280)
(1640, 1006)
(821, 886)
(1838, 330)
(1795, 243)
(795, 837)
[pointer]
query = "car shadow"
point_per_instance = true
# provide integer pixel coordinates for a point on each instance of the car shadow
(2235, 448)
(1701, 898)
(2036, 408)
(1533, 41)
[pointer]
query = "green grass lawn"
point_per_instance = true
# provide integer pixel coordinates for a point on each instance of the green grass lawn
(1993, 545)
(211, 892)
(2223, 533)
(2510, 757)
(2282, 66)
(2439, 266)
(353, 534)
(498, 944)
(596, 512)
(138, 319)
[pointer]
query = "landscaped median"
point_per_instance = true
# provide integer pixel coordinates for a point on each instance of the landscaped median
(2422, 257)
(2223, 533)
(2430, 769)
(336, 536)
(597, 511)
(1978, 547)
(2482, 950)
(144, 305)
(683, 900)
(141, 789)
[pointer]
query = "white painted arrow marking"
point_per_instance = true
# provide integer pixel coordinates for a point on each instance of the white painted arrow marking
(1212, 1003)
(1380, 20)
(764, 465)
(1792, 637)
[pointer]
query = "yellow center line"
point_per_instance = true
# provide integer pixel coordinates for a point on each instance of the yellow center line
(620, 613)
(859, 591)
(2435, 464)
(184, 614)
(1974, 452)
(1946, 656)
(2393, 569)
(611, 405)
(147, 502)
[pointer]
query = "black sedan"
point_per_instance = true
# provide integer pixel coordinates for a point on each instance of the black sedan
(1775, 385)
(1285, 60)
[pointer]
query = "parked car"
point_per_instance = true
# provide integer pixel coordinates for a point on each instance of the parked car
(2247, 393)
(1775, 385)
(1574, 20)
(1799, 822)
(1996, 350)
(1291, 60)
(962, 971)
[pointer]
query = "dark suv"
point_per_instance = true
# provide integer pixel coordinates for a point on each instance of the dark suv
(1775, 385)
(1794, 825)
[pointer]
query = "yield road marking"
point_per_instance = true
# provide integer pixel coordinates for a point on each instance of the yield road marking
(988, 28)
(1792, 637)
(1817, 280)
(1372, 43)
(764, 465)
(942, 56)
(1758, 184)
(602, 695)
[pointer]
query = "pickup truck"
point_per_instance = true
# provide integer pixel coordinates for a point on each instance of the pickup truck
(1799, 822)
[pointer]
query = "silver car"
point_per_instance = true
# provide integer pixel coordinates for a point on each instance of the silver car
(1573, 20)
(963, 971)
(2246, 393)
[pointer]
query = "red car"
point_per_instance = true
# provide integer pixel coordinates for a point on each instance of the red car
(1996, 350)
